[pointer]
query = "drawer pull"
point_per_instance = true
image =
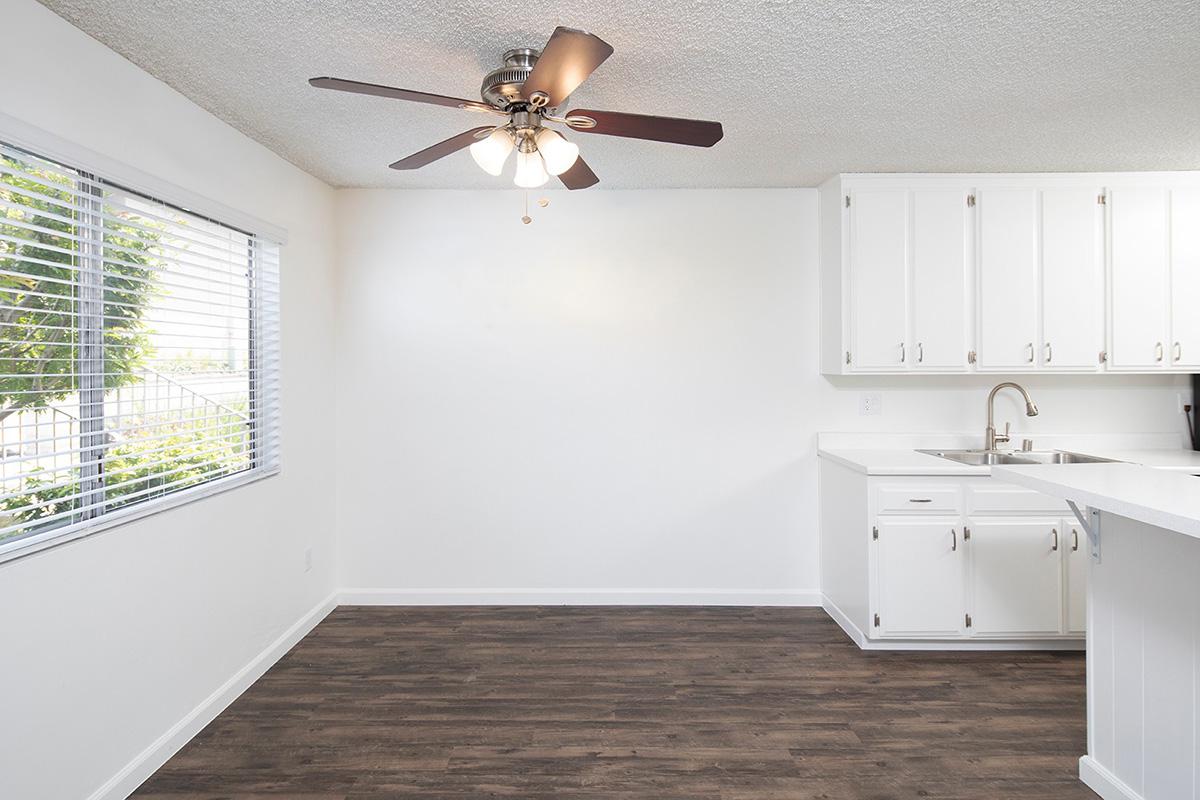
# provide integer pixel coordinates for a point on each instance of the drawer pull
(920, 500)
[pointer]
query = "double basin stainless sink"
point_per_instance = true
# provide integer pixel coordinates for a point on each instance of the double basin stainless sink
(983, 458)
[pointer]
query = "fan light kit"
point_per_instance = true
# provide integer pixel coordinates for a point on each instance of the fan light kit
(527, 90)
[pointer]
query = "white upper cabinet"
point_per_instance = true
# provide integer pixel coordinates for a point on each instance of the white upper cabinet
(1185, 280)
(1010, 273)
(879, 279)
(1008, 279)
(1140, 278)
(1072, 272)
(939, 278)
(908, 265)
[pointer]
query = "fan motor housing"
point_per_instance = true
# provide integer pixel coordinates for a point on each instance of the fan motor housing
(502, 87)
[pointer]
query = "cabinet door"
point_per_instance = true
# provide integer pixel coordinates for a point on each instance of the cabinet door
(920, 577)
(1138, 224)
(939, 279)
(1008, 279)
(878, 279)
(1016, 576)
(1076, 554)
(1185, 279)
(1072, 280)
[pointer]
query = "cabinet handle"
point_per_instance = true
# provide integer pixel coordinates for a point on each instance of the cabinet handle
(904, 355)
(1178, 351)
(920, 500)
(1030, 346)
(1158, 352)
(920, 352)
(953, 540)
(1055, 532)
(1074, 540)
(1049, 353)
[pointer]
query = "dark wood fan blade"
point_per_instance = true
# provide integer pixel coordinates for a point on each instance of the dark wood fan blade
(566, 61)
(579, 176)
(695, 132)
(441, 149)
(358, 87)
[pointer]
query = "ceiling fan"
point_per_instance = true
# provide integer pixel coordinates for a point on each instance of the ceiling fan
(527, 90)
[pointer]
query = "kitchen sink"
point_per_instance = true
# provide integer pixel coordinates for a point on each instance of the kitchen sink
(982, 458)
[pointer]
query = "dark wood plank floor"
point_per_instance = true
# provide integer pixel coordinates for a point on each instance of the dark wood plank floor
(655, 703)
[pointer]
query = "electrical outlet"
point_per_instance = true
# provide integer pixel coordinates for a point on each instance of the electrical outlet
(870, 404)
(308, 559)
(1182, 401)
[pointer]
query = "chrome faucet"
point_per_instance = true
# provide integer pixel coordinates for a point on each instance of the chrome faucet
(990, 439)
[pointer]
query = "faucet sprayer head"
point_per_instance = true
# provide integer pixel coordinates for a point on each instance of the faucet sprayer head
(1031, 409)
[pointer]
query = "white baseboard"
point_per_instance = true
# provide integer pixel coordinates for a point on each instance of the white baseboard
(865, 643)
(844, 622)
(576, 597)
(1103, 782)
(133, 774)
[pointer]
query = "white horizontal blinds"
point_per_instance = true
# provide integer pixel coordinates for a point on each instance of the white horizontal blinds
(139, 349)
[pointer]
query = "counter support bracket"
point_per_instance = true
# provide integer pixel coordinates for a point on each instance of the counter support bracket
(1090, 522)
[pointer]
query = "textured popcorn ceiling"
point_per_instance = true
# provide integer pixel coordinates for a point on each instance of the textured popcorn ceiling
(805, 88)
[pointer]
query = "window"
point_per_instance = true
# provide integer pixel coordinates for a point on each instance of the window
(139, 347)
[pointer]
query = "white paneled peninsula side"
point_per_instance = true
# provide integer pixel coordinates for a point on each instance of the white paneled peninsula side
(1143, 610)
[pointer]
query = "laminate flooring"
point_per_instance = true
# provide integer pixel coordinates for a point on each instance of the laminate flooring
(662, 703)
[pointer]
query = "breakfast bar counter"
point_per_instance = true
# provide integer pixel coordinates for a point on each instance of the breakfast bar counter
(1143, 607)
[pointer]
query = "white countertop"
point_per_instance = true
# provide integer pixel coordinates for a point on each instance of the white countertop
(907, 461)
(1168, 500)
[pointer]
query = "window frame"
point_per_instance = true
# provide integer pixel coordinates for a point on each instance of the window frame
(123, 177)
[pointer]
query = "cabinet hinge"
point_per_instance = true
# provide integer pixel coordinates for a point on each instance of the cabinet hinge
(1102, 199)
(966, 534)
(847, 356)
(847, 201)
(875, 533)
(1103, 356)
(971, 357)
(968, 620)
(876, 620)
(970, 201)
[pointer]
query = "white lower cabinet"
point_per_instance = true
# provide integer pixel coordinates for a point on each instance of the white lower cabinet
(1016, 576)
(993, 562)
(920, 576)
(1076, 556)
(944, 562)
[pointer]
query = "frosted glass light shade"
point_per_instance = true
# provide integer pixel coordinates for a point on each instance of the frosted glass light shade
(491, 153)
(557, 152)
(531, 172)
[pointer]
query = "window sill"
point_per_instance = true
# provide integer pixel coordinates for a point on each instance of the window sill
(39, 542)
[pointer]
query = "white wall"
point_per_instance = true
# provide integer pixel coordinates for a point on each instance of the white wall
(108, 642)
(618, 402)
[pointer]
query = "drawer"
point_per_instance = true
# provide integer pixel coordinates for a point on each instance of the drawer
(918, 498)
(1004, 498)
